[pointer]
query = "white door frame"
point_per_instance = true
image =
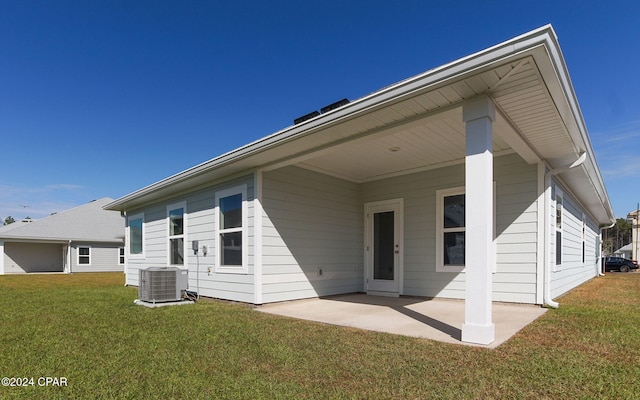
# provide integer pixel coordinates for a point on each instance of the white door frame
(396, 287)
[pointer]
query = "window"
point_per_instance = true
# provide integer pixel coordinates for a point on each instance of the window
(176, 221)
(136, 234)
(559, 212)
(121, 255)
(231, 211)
(450, 230)
(584, 239)
(84, 255)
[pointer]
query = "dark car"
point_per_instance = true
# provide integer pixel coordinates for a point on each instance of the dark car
(619, 264)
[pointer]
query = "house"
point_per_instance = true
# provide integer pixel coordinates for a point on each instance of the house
(475, 180)
(624, 251)
(634, 246)
(82, 239)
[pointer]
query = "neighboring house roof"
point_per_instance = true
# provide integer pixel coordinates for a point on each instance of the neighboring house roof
(624, 249)
(537, 116)
(89, 222)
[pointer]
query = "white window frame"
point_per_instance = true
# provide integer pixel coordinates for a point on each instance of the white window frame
(441, 230)
(233, 269)
(584, 239)
(130, 218)
(559, 194)
(171, 207)
(78, 255)
(121, 255)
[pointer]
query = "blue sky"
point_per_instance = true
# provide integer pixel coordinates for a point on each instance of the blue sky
(101, 98)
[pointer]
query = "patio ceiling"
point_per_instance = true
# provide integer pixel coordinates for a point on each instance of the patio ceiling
(431, 142)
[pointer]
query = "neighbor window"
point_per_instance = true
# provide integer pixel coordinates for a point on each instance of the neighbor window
(176, 219)
(136, 236)
(120, 255)
(232, 229)
(84, 255)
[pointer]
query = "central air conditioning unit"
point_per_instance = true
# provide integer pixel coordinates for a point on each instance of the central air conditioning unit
(161, 284)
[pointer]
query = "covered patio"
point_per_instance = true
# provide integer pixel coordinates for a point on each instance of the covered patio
(433, 319)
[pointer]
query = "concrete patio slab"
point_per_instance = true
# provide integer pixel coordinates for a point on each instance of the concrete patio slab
(434, 319)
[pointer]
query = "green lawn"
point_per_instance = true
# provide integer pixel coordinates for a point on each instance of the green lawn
(85, 328)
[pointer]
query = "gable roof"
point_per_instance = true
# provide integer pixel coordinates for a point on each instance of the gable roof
(526, 77)
(89, 222)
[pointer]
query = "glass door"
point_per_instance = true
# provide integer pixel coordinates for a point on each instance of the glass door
(384, 245)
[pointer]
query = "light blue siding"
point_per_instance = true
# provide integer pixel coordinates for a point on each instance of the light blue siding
(573, 271)
(313, 235)
(200, 217)
(516, 216)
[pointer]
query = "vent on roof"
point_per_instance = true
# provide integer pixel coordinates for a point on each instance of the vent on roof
(333, 106)
(305, 117)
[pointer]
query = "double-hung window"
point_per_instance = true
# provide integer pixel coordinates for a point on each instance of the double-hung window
(176, 215)
(559, 221)
(450, 230)
(84, 255)
(231, 240)
(136, 235)
(120, 255)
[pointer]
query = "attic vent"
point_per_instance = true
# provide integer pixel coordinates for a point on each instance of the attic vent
(333, 106)
(305, 117)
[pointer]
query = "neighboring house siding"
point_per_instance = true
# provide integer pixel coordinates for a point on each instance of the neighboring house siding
(104, 258)
(21, 258)
(573, 271)
(516, 212)
(200, 217)
(311, 222)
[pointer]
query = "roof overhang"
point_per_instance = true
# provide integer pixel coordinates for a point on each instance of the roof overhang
(538, 117)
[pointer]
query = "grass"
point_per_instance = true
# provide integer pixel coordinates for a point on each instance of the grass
(85, 327)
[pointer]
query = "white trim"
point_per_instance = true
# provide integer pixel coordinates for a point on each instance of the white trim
(396, 205)
(559, 194)
(440, 230)
(171, 207)
(1, 257)
(541, 235)
(78, 255)
(128, 236)
(257, 233)
(440, 195)
(244, 268)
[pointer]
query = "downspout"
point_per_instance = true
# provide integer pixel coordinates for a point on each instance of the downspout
(600, 273)
(547, 199)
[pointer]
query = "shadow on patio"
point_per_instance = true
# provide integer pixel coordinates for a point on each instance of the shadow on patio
(434, 319)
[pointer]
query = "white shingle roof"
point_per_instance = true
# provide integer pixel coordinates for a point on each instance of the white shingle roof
(88, 222)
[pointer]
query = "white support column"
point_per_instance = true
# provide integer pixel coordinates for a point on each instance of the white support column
(478, 327)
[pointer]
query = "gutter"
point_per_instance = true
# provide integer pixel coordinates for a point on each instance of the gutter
(548, 301)
(601, 272)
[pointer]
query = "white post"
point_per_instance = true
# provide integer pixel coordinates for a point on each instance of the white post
(478, 327)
